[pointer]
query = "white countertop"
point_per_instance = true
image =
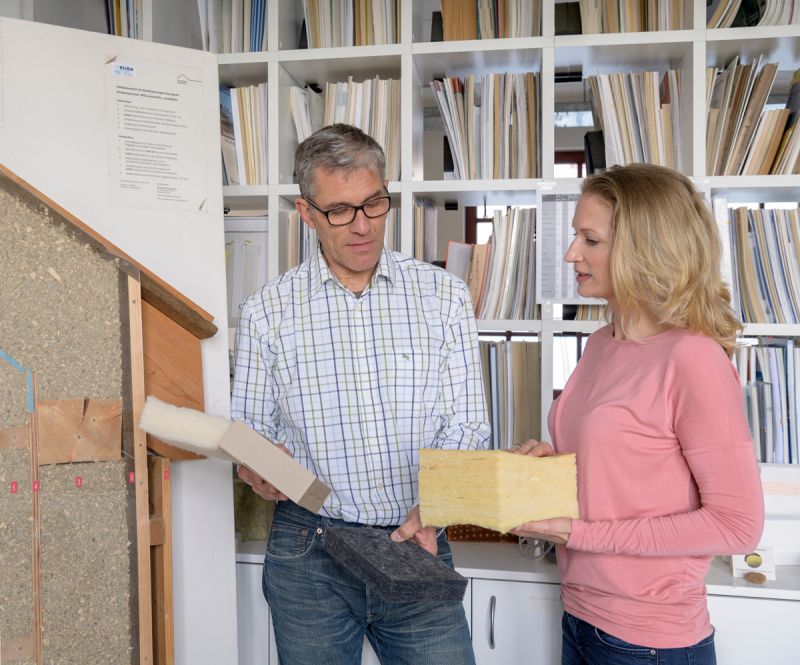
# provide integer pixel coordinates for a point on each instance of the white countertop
(503, 561)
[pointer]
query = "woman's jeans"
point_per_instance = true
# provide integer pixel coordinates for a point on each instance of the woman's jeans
(583, 644)
(321, 613)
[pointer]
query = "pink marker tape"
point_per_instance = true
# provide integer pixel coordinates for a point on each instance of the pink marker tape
(131, 477)
(14, 487)
(78, 481)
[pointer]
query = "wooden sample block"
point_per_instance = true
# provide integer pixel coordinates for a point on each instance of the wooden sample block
(495, 489)
(78, 430)
(259, 454)
(14, 437)
(235, 442)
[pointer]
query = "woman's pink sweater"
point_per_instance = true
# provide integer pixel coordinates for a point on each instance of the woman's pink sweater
(667, 478)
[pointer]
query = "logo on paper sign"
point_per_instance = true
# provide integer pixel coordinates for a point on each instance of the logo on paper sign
(124, 70)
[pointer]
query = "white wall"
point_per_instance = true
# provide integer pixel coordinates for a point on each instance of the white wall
(52, 134)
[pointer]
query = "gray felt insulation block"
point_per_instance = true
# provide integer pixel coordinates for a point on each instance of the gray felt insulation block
(399, 572)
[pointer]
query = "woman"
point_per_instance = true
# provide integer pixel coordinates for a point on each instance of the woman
(667, 476)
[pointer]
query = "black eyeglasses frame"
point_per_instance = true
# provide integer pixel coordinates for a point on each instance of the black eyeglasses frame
(354, 208)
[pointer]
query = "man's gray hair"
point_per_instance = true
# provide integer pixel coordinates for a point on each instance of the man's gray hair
(337, 147)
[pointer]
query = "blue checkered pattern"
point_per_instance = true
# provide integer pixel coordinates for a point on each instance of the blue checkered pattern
(354, 386)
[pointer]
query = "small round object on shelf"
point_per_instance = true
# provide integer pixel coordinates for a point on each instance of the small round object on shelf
(755, 578)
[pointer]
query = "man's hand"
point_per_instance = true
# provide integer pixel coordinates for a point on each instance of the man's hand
(533, 448)
(556, 530)
(425, 537)
(260, 486)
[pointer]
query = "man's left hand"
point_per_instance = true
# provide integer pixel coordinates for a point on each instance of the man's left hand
(424, 536)
(556, 530)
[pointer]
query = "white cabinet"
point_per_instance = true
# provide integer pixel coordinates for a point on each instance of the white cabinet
(514, 608)
(255, 636)
(368, 656)
(755, 630)
(516, 601)
(520, 623)
(516, 622)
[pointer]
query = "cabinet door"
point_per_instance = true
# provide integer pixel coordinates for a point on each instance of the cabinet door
(755, 630)
(254, 627)
(368, 656)
(516, 622)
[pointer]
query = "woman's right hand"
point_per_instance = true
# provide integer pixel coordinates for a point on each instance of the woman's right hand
(533, 448)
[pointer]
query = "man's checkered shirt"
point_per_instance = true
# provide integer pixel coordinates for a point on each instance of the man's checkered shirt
(355, 386)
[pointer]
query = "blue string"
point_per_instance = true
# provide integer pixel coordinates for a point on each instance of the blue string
(28, 376)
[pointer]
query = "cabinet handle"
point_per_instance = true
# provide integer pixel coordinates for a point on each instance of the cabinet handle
(492, 605)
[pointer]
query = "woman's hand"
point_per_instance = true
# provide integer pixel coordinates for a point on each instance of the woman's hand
(555, 529)
(533, 448)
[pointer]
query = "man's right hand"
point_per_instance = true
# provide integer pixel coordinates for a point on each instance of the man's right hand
(260, 486)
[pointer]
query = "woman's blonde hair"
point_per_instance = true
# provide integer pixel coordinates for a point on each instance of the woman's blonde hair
(665, 259)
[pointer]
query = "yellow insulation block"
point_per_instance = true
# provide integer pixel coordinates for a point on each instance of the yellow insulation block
(495, 489)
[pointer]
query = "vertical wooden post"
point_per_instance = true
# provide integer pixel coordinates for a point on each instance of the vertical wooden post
(38, 646)
(140, 469)
(159, 469)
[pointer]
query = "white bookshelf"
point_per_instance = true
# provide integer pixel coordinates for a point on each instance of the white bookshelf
(415, 60)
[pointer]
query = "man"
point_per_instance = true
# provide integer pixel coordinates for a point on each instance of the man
(354, 361)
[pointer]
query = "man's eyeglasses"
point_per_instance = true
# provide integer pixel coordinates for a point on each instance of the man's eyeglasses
(344, 215)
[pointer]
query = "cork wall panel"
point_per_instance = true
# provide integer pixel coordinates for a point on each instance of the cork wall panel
(16, 550)
(13, 392)
(60, 318)
(85, 561)
(63, 318)
(16, 519)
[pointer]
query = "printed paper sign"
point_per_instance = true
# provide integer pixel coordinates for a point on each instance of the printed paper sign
(155, 135)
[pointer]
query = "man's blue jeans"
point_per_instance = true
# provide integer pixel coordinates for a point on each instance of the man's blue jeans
(583, 644)
(321, 612)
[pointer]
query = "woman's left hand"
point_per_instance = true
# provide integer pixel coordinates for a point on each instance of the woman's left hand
(556, 530)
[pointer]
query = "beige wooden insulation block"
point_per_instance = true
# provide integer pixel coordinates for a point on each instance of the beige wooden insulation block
(494, 489)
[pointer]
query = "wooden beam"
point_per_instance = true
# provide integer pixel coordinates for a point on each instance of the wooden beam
(38, 622)
(140, 471)
(175, 304)
(157, 527)
(159, 469)
(168, 301)
(79, 430)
